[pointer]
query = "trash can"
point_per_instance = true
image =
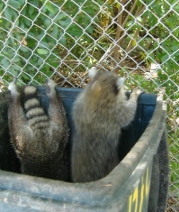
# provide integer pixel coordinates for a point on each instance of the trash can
(139, 183)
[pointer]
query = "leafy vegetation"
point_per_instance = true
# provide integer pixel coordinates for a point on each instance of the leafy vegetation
(61, 38)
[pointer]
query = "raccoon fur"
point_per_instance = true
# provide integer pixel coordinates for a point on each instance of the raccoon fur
(38, 135)
(99, 113)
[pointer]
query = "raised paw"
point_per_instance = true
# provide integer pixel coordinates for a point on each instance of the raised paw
(13, 88)
(136, 93)
(50, 87)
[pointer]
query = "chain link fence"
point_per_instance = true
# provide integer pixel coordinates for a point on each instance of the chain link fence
(138, 39)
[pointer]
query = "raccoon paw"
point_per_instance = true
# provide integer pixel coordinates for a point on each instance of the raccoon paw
(137, 92)
(13, 87)
(50, 87)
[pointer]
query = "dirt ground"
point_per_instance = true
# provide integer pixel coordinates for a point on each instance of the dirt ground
(173, 204)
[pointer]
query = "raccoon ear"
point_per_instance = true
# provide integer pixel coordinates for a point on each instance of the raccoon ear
(120, 82)
(13, 87)
(92, 72)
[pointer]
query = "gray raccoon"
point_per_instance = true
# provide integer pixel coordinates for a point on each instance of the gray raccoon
(39, 137)
(99, 113)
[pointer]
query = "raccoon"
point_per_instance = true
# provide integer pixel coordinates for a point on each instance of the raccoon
(38, 135)
(99, 113)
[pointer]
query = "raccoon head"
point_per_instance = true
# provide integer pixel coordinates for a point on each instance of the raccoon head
(103, 83)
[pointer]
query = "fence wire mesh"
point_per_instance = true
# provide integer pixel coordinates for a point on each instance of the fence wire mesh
(62, 39)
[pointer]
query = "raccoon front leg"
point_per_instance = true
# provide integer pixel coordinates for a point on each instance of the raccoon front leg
(56, 111)
(16, 119)
(58, 130)
(129, 110)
